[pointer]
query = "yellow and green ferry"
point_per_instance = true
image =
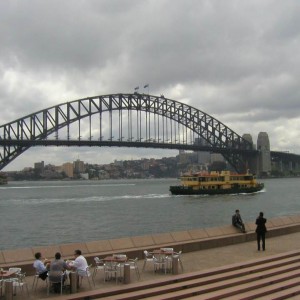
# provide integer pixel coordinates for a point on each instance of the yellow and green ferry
(215, 183)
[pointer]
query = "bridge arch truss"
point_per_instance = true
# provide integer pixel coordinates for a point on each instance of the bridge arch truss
(125, 120)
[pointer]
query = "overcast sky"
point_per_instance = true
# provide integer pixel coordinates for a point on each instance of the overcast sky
(238, 61)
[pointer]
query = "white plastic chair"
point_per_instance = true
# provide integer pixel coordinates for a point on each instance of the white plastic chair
(134, 266)
(36, 279)
(1, 286)
(160, 263)
(16, 270)
(60, 281)
(85, 274)
(112, 270)
(169, 261)
(148, 258)
(99, 266)
(20, 282)
(178, 256)
(14, 277)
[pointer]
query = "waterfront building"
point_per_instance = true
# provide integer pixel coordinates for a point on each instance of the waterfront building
(39, 167)
(79, 166)
(68, 169)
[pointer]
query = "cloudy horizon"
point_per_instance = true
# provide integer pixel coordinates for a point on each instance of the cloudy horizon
(235, 60)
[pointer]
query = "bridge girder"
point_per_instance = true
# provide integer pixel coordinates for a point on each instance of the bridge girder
(36, 128)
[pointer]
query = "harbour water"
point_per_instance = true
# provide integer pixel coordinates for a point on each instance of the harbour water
(58, 212)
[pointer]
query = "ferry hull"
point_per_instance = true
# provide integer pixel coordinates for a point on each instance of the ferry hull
(185, 190)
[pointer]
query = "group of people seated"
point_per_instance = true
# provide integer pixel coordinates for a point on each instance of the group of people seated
(56, 268)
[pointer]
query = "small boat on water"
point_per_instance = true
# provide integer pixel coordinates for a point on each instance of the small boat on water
(3, 179)
(215, 183)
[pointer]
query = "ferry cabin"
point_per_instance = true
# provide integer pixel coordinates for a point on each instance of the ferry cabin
(216, 180)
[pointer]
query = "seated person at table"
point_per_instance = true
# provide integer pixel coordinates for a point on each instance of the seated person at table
(80, 263)
(41, 266)
(57, 267)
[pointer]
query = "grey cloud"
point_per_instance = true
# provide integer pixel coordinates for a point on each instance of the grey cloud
(233, 59)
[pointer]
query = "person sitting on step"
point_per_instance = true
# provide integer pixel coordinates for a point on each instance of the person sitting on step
(238, 222)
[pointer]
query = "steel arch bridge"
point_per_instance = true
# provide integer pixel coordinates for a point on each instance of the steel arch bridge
(124, 120)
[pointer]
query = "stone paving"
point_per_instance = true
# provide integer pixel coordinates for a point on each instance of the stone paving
(192, 261)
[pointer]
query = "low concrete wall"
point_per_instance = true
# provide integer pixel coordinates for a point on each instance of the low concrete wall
(187, 241)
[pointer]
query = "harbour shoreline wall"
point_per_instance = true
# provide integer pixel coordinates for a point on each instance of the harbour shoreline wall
(185, 241)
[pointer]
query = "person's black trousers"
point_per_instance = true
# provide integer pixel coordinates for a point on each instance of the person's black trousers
(261, 237)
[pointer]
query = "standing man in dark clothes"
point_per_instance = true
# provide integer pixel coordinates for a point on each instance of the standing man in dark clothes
(261, 230)
(238, 222)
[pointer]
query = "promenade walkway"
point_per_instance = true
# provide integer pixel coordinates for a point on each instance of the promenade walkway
(193, 261)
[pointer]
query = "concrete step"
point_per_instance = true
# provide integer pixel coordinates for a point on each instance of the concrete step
(268, 292)
(289, 279)
(283, 290)
(262, 270)
(219, 290)
(200, 286)
(289, 293)
(185, 285)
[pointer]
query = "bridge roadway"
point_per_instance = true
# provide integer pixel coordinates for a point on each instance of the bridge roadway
(132, 144)
(222, 250)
